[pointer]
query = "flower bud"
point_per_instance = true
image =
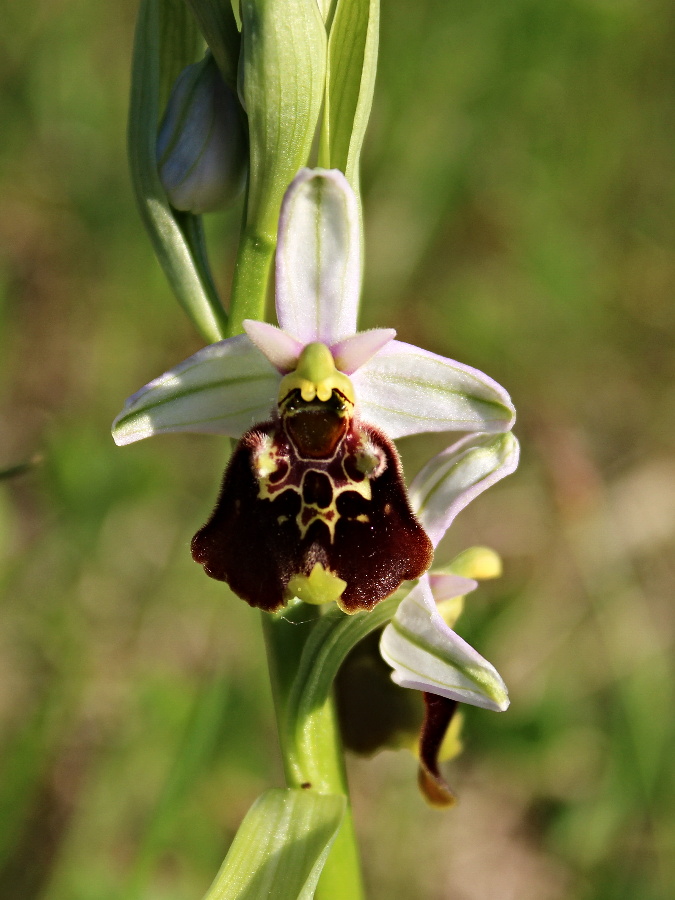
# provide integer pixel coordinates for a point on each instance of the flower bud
(201, 146)
(376, 714)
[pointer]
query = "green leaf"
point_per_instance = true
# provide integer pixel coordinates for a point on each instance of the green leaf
(281, 847)
(350, 81)
(166, 41)
(217, 23)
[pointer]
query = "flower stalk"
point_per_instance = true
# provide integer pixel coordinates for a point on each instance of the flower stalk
(317, 764)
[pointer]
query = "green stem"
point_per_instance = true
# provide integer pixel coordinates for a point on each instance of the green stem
(318, 763)
(251, 278)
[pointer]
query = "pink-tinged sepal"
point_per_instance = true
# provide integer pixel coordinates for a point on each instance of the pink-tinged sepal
(355, 351)
(281, 349)
(313, 506)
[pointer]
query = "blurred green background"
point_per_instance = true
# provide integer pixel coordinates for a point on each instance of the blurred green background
(520, 209)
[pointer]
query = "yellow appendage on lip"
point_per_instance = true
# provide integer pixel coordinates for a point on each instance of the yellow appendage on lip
(316, 377)
(320, 586)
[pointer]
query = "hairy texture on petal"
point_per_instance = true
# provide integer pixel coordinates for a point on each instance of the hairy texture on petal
(322, 523)
(439, 714)
(453, 478)
(427, 655)
(282, 350)
(406, 390)
(318, 266)
(355, 351)
(224, 389)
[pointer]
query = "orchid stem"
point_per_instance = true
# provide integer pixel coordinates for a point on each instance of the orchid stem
(251, 279)
(317, 765)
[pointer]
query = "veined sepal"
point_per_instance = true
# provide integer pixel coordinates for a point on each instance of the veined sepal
(427, 655)
(453, 478)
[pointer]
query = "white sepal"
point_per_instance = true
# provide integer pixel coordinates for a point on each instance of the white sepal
(406, 390)
(427, 655)
(226, 388)
(318, 261)
(453, 478)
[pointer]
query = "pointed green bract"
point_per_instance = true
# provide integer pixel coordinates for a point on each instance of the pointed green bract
(167, 41)
(283, 72)
(350, 80)
(284, 69)
(218, 25)
(281, 847)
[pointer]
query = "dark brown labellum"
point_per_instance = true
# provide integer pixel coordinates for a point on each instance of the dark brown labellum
(313, 494)
(439, 714)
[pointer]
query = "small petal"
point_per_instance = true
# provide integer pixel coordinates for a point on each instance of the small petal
(453, 478)
(449, 592)
(224, 389)
(445, 587)
(282, 350)
(355, 351)
(427, 655)
(406, 390)
(318, 262)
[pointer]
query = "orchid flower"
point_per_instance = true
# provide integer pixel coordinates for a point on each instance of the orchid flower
(313, 502)
(419, 644)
